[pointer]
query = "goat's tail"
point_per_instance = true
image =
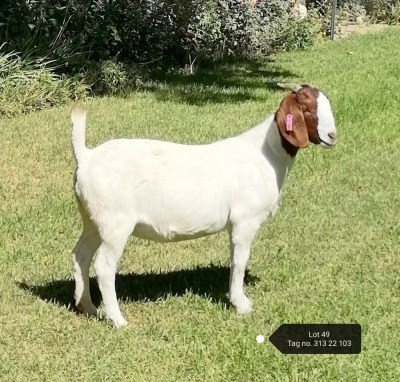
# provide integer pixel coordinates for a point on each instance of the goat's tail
(78, 119)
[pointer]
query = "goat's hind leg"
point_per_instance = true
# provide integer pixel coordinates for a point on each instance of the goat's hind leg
(82, 256)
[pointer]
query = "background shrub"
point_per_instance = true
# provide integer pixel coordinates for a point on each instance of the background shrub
(384, 10)
(111, 77)
(109, 44)
(387, 11)
(30, 85)
(161, 33)
(157, 33)
(246, 29)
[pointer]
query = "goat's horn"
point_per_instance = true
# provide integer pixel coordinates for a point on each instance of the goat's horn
(291, 86)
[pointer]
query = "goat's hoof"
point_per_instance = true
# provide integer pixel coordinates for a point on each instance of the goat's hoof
(243, 306)
(119, 322)
(88, 310)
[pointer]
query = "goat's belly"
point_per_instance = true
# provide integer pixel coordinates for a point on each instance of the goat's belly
(173, 234)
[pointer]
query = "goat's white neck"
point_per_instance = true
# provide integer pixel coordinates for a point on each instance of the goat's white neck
(266, 138)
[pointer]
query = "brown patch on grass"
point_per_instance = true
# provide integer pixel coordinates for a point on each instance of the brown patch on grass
(348, 29)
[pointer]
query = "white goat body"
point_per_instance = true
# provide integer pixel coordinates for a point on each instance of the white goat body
(166, 191)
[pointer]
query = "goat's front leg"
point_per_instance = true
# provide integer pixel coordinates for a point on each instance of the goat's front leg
(241, 237)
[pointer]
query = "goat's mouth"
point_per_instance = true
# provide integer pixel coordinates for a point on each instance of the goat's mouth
(325, 144)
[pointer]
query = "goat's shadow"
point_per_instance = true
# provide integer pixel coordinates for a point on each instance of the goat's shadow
(210, 282)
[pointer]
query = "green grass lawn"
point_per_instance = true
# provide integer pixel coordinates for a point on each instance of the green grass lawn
(330, 255)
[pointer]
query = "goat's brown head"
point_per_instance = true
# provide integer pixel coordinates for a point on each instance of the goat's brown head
(305, 115)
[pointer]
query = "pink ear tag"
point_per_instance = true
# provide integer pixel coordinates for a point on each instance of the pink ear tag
(289, 123)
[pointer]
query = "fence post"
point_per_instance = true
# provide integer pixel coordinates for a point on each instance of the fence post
(333, 16)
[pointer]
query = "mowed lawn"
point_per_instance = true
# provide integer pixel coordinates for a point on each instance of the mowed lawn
(330, 255)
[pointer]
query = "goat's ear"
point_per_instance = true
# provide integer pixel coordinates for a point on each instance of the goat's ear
(291, 123)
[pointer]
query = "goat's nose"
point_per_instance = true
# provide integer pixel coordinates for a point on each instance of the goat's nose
(332, 135)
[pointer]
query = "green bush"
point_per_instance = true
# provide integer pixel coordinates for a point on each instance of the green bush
(387, 11)
(156, 33)
(30, 85)
(78, 31)
(354, 9)
(299, 34)
(111, 77)
(245, 28)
